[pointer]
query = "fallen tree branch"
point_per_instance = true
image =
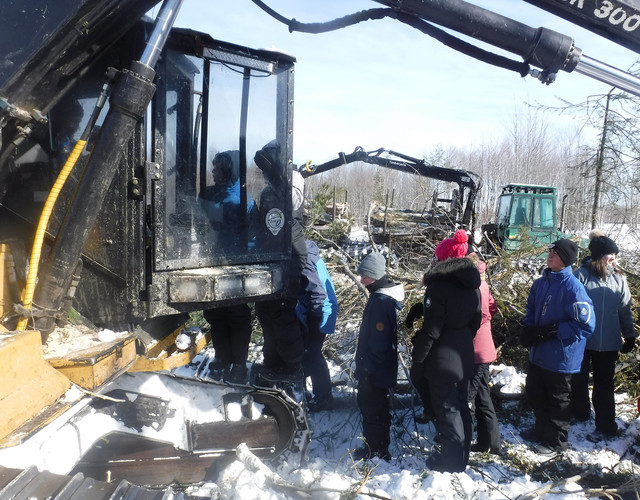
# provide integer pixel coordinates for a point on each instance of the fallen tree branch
(100, 396)
(548, 487)
(355, 279)
(254, 464)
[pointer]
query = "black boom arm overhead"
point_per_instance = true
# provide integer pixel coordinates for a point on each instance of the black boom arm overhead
(548, 50)
(544, 52)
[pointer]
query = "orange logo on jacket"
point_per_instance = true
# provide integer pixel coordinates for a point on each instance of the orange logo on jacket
(379, 326)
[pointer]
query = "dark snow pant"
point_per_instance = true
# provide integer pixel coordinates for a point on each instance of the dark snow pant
(482, 408)
(603, 365)
(283, 347)
(373, 403)
(422, 388)
(315, 366)
(230, 332)
(453, 423)
(548, 394)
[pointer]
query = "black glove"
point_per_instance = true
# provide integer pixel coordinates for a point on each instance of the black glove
(547, 332)
(531, 336)
(528, 335)
(629, 345)
(416, 372)
(313, 328)
(414, 313)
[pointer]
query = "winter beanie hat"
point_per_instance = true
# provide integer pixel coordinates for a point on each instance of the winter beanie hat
(601, 245)
(373, 266)
(266, 159)
(453, 248)
(566, 249)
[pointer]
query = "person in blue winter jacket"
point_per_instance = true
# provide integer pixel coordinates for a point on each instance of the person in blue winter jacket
(317, 311)
(608, 288)
(377, 356)
(230, 325)
(559, 318)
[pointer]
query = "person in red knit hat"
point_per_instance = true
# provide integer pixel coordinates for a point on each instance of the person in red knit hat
(448, 248)
(443, 352)
(453, 248)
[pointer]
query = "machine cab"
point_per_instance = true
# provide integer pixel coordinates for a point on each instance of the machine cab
(199, 213)
(526, 209)
(220, 183)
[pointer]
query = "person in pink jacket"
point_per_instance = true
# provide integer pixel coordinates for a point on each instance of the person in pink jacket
(485, 353)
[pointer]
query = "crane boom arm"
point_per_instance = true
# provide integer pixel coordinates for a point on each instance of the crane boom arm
(615, 20)
(548, 50)
(466, 181)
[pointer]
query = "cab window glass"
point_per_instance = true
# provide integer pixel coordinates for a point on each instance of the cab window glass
(543, 213)
(503, 209)
(520, 211)
(218, 202)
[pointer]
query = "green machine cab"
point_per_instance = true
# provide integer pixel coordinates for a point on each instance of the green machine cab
(524, 211)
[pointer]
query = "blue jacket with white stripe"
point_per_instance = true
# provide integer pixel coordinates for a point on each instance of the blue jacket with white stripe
(559, 298)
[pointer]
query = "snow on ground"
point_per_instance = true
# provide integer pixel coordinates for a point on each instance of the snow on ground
(331, 473)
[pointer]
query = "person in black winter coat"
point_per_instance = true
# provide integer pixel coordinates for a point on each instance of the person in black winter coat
(283, 347)
(377, 356)
(443, 351)
(317, 311)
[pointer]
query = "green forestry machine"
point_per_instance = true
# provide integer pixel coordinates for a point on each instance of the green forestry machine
(524, 211)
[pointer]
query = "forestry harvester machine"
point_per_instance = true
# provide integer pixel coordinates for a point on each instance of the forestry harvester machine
(110, 123)
(440, 219)
(108, 126)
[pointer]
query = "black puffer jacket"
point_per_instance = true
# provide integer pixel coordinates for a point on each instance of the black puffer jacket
(452, 317)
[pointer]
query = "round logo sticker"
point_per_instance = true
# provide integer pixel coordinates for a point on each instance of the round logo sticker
(379, 326)
(274, 220)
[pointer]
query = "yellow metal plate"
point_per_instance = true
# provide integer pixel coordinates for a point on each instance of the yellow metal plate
(91, 368)
(165, 356)
(29, 383)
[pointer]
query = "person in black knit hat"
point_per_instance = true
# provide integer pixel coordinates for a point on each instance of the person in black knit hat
(609, 291)
(566, 249)
(601, 245)
(559, 318)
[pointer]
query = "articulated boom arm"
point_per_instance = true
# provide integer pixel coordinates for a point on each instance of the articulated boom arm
(550, 51)
(615, 20)
(467, 186)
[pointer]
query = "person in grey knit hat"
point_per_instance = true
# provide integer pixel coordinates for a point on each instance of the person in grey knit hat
(377, 356)
(373, 266)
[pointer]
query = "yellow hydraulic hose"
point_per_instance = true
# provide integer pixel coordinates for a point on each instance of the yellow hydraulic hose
(42, 227)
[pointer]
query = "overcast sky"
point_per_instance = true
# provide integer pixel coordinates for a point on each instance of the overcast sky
(384, 84)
